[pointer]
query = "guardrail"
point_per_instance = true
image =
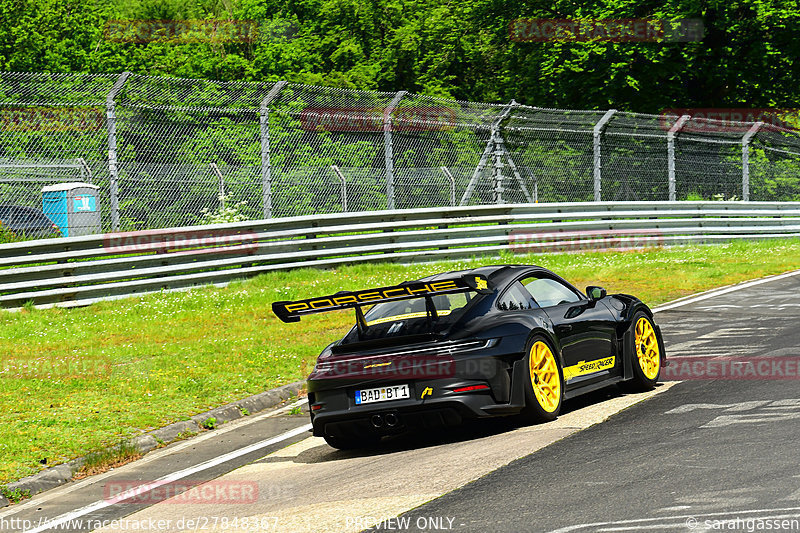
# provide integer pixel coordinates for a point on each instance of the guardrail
(80, 270)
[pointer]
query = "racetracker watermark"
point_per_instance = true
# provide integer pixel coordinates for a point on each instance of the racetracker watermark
(218, 492)
(182, 31)
(56, 367)
(526, 242)
(407, 367)
(344, 119)
(731, 120)
(195, 240)
(606, 30)
(52, 119)
(731, 368)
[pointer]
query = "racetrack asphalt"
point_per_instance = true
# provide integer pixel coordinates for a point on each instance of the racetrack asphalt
(659, 460)
(707, 455)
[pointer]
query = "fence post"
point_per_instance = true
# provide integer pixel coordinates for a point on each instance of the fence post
(387, 147)
(450, 177)
(514, 170)
(339, 173)
(597, 133)
(746, 159)
(671, 135)
(489, 150)
(86, 172)
(266, 168)
(497, 171)
(113, 169)
(220, 184)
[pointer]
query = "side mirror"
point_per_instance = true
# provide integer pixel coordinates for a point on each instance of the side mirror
(595, 293)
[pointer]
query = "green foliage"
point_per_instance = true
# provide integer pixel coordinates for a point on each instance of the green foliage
(6, 235)
(16, 495)
(694, 197)
(224, 214)
(747, 58)
(210, 423)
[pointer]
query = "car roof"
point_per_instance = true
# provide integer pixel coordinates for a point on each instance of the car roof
(19, 208)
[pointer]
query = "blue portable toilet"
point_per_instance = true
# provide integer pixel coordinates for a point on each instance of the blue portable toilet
(73, 207)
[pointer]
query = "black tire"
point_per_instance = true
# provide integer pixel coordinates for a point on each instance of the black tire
(538, 409)
(646, 355)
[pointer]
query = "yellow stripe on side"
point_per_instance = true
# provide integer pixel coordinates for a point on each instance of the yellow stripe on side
(583, 368)
(404, 317)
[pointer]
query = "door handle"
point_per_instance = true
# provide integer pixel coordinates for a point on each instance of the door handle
(566, 327)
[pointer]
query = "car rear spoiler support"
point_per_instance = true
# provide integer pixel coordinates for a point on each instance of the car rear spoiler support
(292, 311)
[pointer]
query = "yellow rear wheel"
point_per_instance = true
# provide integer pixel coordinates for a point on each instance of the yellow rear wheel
(647, 351)
(545, 379)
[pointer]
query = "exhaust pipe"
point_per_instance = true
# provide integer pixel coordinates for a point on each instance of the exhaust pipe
(377, 421)
(392, 420)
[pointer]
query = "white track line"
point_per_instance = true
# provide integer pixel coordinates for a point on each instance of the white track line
(719, 292)
(169, 478)
(154, 455)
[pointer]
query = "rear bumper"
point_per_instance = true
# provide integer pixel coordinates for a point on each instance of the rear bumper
(397, 416)
(436, 394)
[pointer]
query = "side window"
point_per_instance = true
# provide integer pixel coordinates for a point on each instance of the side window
(515, 298)
(549, 292)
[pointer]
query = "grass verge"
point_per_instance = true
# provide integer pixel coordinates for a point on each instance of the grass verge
(76, 381)
(106, 459)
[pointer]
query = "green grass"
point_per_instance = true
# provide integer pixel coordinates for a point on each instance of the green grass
(103, 460)
(75, 381)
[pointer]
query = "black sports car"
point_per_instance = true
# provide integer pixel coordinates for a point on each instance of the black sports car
(27, 222)
(493, 341)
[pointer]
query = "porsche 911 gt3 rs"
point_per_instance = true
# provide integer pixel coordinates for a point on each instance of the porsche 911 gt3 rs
(492, 341)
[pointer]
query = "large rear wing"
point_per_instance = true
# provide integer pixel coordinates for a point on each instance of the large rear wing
(293, 311)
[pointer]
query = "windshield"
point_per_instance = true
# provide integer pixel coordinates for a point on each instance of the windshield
(409, 317)
(409, 309)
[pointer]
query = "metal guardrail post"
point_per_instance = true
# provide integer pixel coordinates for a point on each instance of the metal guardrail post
(344, 186)
(746, 159)
(449, 175)
(113, 168)
(597, 134)
(388, 149)
(671, 135)
(266, 168)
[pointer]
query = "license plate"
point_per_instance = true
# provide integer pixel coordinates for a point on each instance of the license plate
(382, 394)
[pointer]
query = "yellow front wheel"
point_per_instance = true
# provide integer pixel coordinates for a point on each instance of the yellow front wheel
(646, 353)
(544, 387)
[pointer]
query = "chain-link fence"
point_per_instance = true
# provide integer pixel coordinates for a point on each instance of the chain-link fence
(170, 152)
